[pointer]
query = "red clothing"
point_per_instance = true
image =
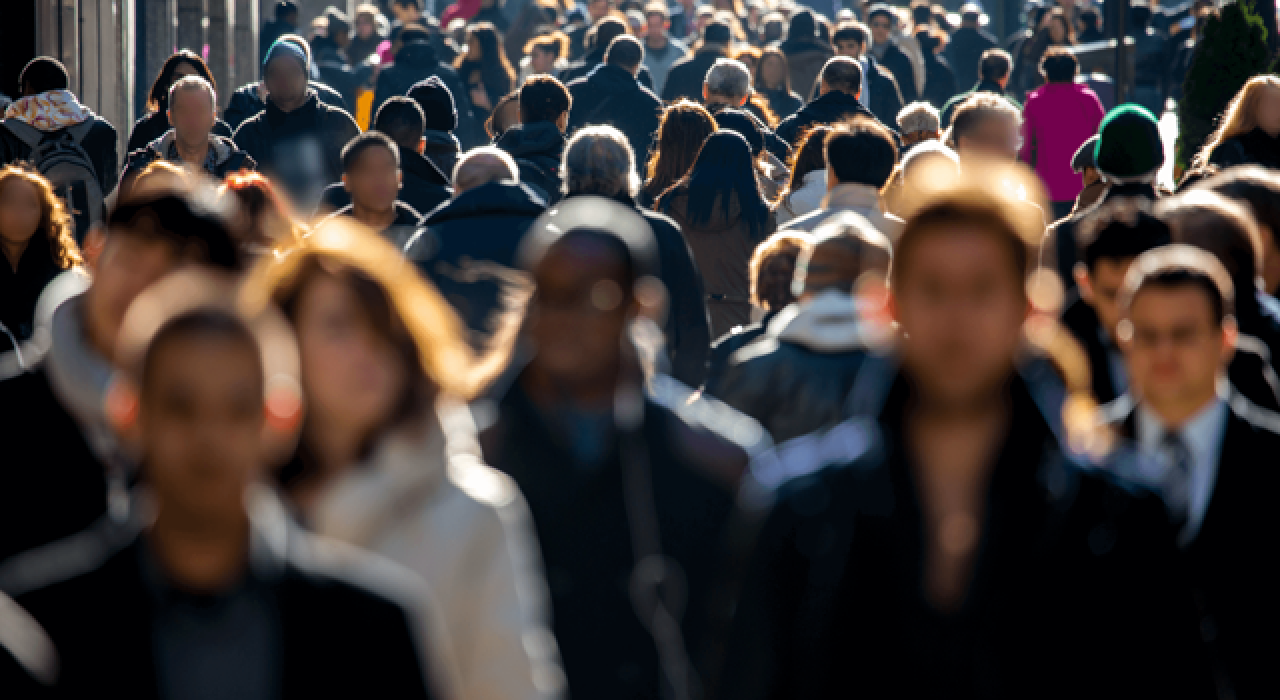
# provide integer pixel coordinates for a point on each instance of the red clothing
(1056, 120)
(462, 9)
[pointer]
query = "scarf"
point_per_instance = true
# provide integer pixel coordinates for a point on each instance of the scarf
(49, 111)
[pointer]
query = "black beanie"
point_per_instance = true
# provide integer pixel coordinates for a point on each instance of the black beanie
(436, 102)
(802, 25)
(717, 33)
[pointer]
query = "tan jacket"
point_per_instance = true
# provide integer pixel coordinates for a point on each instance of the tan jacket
(427, 502)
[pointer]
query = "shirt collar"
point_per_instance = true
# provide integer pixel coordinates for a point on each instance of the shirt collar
(1202, 432)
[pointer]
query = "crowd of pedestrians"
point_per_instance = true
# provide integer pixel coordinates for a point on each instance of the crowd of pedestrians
(744, 350)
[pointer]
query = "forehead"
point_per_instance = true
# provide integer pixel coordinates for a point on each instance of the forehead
(211, 362)
(201, 94)
(1158, 304)
(579, 260)
(960, 249)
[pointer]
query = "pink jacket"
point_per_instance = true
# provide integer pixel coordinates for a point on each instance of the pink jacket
(1056, 120)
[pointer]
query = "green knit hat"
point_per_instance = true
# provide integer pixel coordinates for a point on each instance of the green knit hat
(1129, 147)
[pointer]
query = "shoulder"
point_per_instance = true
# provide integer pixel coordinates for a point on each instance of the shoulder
(102, 126)
(812, 465)
(347, 576)
(1262, 423)
(337, 117)
(708, 417)
(68, 567)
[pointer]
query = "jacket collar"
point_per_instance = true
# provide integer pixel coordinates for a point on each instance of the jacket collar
(852, 196)
(419, 165)
(221, 147)
(277, 117)
(827, 323)
(988, 86)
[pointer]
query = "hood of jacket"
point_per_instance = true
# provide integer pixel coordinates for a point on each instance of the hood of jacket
(441, 142)
(827, 323)
(223, 147)
(416, 54)
(799, 45)
(505, 198)
(540, 142)
(612, 80)
(418, 165)
(49, 111)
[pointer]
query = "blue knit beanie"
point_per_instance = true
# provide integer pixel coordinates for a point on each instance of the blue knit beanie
(285, 48)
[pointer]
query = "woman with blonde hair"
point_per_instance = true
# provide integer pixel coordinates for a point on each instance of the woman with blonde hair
(37, 243)
(1249, 132)
(388, 458)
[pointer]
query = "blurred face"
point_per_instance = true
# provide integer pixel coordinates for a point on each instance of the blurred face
(1101, 289)
(1057, 31)
(364, 28)
(127, 265)
(19, 212)
(286, 81)
(351, 375)
(656, 25)
(374, 179)
(994, 138)
(775, 281)
(578, 315)
(1177, 347)
(771, 72)
(848, 47)
(543, 61)
(597, 9)
(1269, 111)
(961, 307)
(880, 26)
(201, 425)
(192, 114)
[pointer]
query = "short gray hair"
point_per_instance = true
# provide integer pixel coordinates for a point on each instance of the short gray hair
(728, 78)
(483, 165)
(919, 116)
(599, 160)
(191, 83)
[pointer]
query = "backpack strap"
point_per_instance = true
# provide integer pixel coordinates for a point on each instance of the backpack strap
(25, 132)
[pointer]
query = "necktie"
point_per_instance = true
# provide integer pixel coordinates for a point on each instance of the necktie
(1178, 478)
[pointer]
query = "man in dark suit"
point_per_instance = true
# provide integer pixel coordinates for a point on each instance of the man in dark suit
(1212, 451)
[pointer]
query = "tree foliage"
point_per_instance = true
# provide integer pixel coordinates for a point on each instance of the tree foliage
(1232, 50)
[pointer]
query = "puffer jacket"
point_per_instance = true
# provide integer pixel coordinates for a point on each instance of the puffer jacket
(795, 377)
(806, 199)
(722, 247)
(426, 500)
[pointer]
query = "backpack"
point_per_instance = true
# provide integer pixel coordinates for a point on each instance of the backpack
(61, 158)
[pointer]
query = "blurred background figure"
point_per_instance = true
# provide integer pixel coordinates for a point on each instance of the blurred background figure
(1057, 118)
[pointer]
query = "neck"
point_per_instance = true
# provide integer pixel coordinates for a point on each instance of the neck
(656, 41)
(200, 556)
(13, 250)
(1174, 413)
(192, 152)
(376, 219)
(979, 407)
(289, 105)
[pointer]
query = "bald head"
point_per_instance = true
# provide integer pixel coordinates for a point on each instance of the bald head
(843, 250)
(481, 166)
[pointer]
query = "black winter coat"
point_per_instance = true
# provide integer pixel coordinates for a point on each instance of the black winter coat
(21, 288)
(772, 142)
(784, 103)
(300, 150)
(611, 95)
(1253, 148)
(737, 338)
(155, 124)
(1062, 234)
(422, 186)
(99, 144)
(339, 74)
(805, 59)
(886, 98)
(227, 158)
(442, 149)
(416, 62)
(245, 103)
(580, 516)
(687, 75)
(940, 82)
(594, 59)
(1235, 585)
(1076, 588)
(467, 248)
(964, 53)
(831, 108)
(897, 63)
(538, 149)
(346, 622)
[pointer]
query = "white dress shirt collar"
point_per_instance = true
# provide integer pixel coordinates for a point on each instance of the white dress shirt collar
(1203, 434)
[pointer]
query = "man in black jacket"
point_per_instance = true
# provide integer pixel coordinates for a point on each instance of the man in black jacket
(1211, 448)
(841, 82)
(993, 75)
(968, 43)
(601, 37)
(686, 76)
(192, 109)
(416, 61)
(880, 90)
(467, 246)
(297, 140)
(251, 99)
(285, 22)
(60, 452)
(371, 177)
(951, 547)
(439, 145)
(611, 95)
(537, 142)
(630, 488)
(599, 162)
(794, 379)
(219, 593)
(882, 22)
(422, 186)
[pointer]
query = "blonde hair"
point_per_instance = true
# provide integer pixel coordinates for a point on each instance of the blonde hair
(1240, 117)
(55, 222)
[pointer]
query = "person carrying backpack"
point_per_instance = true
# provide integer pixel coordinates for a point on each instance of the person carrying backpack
(71, 146)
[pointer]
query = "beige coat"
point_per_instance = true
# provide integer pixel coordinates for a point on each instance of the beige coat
(427, 502)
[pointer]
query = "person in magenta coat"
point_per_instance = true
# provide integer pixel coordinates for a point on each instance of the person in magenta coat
(1057, 118)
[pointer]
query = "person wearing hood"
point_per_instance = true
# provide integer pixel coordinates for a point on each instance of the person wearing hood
(192, 105)
(439, 145)
(62, 461)
(181, 64)
(537, 142)
(723, 216)
(630, 481)
(298, 140)
(860, 157)
(601, 37)
(48, 108)
(883, 21)
(467, 247)
(795, 377)
(415, 62)
(612, 95)
(251, 99)
(661, 49)
(371, 177)
(422, 186)
(841, 84)
(806, 52)
(598, 161)
(686, 76)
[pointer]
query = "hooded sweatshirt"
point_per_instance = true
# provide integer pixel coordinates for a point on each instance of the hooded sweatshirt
(537, 149)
